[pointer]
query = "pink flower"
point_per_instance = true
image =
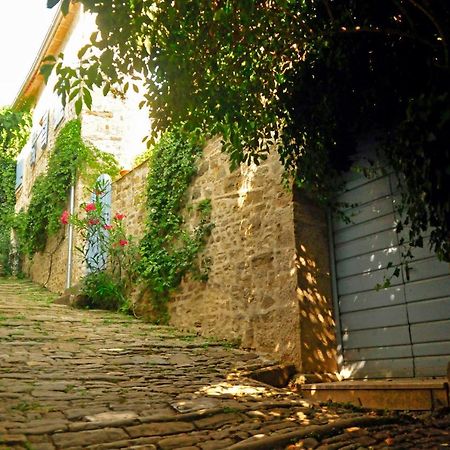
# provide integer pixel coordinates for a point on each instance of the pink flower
(94, 221)
(90, 207)
(107, 227)
(123, 242)
(119, 216)
(65, 217)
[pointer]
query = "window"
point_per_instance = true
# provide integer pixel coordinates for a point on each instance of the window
(19, 172)
(58, 113)
(43, 135)
(34, 145)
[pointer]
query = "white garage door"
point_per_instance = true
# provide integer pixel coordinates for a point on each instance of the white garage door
(401, 331)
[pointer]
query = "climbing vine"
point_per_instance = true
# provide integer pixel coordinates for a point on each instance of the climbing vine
(169, 250)
(14, 131)
(71, 157)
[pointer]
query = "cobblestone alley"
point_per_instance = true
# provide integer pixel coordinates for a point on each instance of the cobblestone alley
(74, 379)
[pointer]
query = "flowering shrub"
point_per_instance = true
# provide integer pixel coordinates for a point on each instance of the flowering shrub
(91, 206)
(109, 254)
(65, 218)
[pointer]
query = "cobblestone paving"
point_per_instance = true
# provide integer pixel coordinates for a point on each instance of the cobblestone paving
(72, 379)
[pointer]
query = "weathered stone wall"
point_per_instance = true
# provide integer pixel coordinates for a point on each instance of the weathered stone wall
(49, 267)
(269, 282)
(128, 197)
(314, 292)
(250, 295)
(116, 126)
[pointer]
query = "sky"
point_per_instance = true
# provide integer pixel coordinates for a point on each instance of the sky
(23, 26)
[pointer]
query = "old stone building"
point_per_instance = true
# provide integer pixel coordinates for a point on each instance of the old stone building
(105, 125)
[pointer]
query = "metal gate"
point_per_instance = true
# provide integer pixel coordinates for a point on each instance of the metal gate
(400, 331)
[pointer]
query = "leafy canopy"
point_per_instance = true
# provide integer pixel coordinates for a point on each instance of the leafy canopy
(309, 78)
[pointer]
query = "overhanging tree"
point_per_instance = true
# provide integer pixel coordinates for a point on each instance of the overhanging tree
(309, 78)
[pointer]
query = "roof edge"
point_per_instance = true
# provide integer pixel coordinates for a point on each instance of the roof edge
(34, 81)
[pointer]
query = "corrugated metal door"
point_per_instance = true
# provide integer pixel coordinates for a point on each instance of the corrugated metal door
(401, 331)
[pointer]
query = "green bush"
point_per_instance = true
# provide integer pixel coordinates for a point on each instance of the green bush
(102, 291)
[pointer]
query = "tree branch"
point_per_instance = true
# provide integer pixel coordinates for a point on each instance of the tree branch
(436, 25)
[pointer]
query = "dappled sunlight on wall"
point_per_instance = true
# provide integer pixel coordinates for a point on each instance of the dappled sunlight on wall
(248, 174)
(317, 324)
(250, 293)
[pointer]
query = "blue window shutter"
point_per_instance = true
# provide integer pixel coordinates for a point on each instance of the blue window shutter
(96, 257)
(33, 154)
(43, 136)
(19, 172)
(58, 113)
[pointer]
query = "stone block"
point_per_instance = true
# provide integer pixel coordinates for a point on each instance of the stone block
(84, 438)
(159, 429)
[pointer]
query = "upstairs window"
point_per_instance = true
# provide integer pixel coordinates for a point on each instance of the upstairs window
(19, 172)
(34, 148)
(43, 135)
(58, 113)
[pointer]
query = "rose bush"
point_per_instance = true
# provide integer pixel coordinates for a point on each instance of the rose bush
(108, 254)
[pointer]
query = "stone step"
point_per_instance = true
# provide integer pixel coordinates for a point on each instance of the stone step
(413, 394)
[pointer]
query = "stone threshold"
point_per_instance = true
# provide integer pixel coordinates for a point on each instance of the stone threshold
(413, 394)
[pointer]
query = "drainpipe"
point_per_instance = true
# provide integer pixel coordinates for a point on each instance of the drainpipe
(70, 245)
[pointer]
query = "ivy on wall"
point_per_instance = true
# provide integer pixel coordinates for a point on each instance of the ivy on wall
(169, 250)
(70, 158)
(14, 131)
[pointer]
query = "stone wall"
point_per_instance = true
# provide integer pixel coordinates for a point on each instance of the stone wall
(49, 267)
(128, 197)
(250, 295)
(269, 282)
(116, 126)
(314, 292)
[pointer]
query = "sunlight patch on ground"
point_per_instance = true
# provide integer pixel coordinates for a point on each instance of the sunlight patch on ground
(239, 390)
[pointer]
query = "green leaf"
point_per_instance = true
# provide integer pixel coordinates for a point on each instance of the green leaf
(83, 50)
(50, 58)
(78, 106)
(87, 97)
(45, 70)
(52, 3)
(65, 5)
(74, 93)
(106, 89)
